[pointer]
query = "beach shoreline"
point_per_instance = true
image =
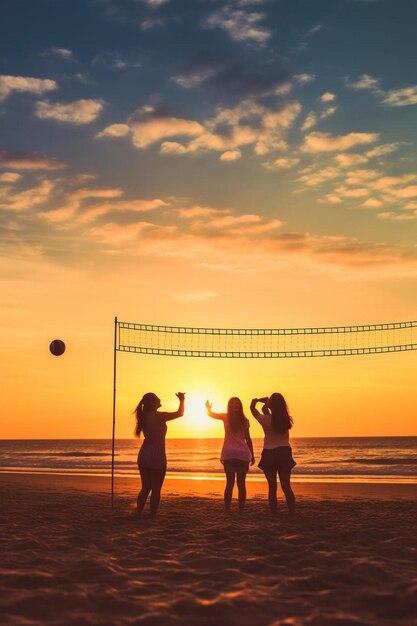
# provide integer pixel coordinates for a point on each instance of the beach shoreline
(208, 486)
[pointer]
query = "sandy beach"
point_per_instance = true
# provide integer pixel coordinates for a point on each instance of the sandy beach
(348, 557)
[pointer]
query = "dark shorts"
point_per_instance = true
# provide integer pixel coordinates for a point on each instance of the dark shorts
(236, 465)
(277, 459)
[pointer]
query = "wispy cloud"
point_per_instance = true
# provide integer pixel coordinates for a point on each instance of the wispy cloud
(149, 125)
(400, 97)
(231, 77)
(358, 176)
(263, 242)
(193, 78)
(304, 78)
(405, 96)
(116, 61)
(115, 235)
(29, 161)
(193, 211)
(283, 163)
(78, 112)
(359, 186)
(313, 118)
(310, 121)
(94, 211)
(400, 217)
(327, 112)
(349, 160)
(327, 97)
(383, 150)
(106, 224)
(372, 203)
(28, 199)
(154, 4)
(24, 84)
(10, 177)
(314, 175)
(114, 130)
(240, 25)
(365, 82)
(326, 142)
(228, 130)
(62, 53)
(231, 155)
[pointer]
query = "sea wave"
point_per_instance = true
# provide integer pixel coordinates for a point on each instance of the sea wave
(365, 461)
(321, 458)
(384, 461)
(67, 454)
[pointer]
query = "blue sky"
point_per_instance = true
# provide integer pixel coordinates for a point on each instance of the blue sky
(295, 117)
(193, 61)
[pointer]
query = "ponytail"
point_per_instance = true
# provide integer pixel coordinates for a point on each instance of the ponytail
(144, 406)
(139, 412)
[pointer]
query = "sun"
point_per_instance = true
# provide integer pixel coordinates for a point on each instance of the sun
(196, 419)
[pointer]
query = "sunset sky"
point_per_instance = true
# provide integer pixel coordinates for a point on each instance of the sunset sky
(242, 163)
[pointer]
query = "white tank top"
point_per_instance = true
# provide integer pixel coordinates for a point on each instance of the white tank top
(272, 438)
(235, 446)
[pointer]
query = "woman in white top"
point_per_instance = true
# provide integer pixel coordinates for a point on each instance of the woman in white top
(276, 454)
(152, 460)
(237, 450)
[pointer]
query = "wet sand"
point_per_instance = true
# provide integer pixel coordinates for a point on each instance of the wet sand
(348, 557)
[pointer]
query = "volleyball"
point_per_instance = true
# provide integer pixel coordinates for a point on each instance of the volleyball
(57, 347)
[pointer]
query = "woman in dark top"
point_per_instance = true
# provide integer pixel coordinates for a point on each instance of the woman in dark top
(276, 455)
(152, 460)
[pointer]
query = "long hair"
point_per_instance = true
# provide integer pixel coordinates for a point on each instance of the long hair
(144, 406)
(281, 419)
(235, 419)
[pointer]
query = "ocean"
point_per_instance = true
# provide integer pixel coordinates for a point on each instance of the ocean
(349, 459)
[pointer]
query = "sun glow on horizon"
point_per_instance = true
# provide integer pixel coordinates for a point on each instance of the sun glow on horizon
(195, 419)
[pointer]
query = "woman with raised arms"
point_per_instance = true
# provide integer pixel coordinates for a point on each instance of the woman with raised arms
(237, 450)
(276, 454)
(152, 460)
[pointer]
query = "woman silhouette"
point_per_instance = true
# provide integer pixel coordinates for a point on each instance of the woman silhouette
(152, 460)
(237, 450)
(276, 454)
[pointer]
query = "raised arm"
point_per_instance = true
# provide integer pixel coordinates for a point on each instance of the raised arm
(265, 409)
(255, 412)
(172, 415)
(210, 413)
(253, 408)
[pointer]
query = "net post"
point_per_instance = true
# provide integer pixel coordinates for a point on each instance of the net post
(114, 411)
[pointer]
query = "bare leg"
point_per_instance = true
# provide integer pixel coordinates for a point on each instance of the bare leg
(157, 481)
(241, 485)
(271, 477)
(285, 480)
(230, 483)
(145, 477)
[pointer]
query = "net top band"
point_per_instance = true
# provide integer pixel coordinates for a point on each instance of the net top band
(190, 330)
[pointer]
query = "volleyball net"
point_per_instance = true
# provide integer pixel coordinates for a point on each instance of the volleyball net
(264, 343)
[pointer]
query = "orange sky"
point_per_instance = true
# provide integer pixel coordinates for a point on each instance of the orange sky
(70, 396)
